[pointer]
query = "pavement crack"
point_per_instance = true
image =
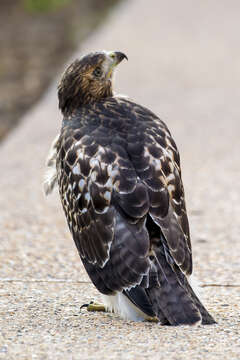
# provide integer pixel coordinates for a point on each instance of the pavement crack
(43, 281)
(219, 285)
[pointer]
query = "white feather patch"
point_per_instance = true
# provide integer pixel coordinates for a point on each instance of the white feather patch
(121, 305)
(50, 176)
(50, 180)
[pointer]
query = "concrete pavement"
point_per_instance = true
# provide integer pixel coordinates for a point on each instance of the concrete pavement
(184, 65)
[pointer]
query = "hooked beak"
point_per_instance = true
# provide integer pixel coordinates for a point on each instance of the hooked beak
(116, 57)
(119, 56)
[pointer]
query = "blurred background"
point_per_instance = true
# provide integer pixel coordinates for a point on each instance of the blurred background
(36, 39)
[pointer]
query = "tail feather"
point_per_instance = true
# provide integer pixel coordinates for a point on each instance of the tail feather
(172, 299)
(175, 298)
(207, 319)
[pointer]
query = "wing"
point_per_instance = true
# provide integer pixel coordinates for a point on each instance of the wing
(95, 179)
(155, 158)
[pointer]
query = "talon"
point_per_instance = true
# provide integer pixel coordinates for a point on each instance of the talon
(83, 306)
(92, 306)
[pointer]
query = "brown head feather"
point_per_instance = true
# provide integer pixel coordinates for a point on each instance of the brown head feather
(87, 80)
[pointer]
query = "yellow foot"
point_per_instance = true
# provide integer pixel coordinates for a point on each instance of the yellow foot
(92, 306)
(152, 319)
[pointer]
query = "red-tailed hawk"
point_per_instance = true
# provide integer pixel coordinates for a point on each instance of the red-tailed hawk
(118, 172)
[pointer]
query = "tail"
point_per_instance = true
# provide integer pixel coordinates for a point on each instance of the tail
(207, 319)
(175, 298)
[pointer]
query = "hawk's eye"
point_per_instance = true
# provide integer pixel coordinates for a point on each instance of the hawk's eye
(97, 72)
(112, 55)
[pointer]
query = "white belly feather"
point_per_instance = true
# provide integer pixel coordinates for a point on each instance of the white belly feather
(122, 306)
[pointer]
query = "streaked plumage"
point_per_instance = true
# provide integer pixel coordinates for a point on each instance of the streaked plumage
(119, 178)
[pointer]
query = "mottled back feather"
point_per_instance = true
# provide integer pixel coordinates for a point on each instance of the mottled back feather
(118, 156)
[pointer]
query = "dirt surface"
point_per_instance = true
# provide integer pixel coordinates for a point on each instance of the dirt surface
(34, 42)
(184, 65)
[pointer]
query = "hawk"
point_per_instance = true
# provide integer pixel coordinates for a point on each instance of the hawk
(118, 172)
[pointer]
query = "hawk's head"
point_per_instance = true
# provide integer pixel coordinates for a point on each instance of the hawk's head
(88, 79)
